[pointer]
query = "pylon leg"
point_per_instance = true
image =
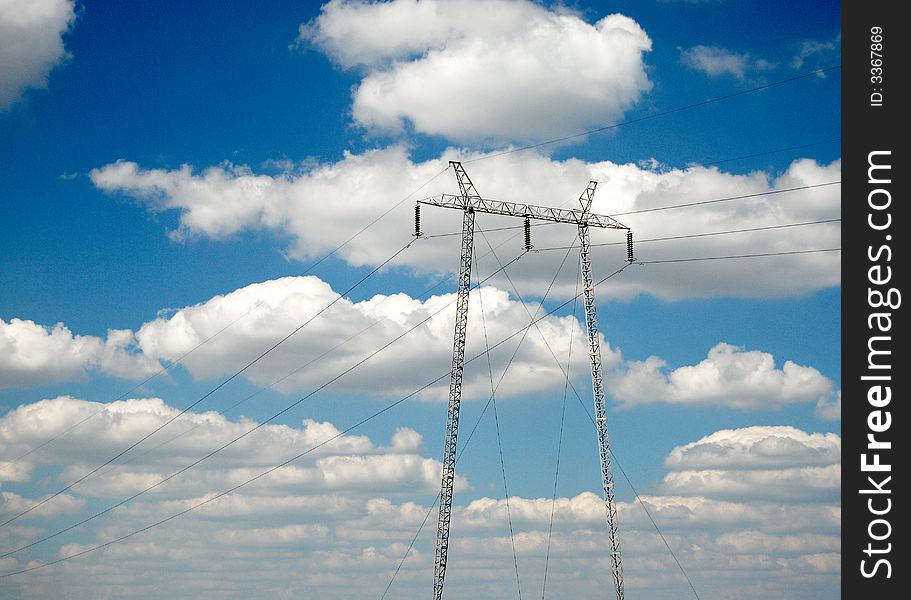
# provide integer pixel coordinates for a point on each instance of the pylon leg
(455, 396)
(594, 352)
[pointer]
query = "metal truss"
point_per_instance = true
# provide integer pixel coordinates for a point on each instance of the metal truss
(470, 202)
(455, 386)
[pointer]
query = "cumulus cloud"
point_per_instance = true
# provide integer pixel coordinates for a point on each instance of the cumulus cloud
(281, 305)
(761, 447)
(392, 345)
(716, 62)
(483, 70)
(309, 532)
(63, 504)
(729, 376)
(296, 508)
(350, 462)
(778, 462)
(31, 44)
(326, 203)
(32, 354)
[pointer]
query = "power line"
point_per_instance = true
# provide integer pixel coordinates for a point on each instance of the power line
(377, 219)
(405, 198)
(262, 474)
(209, 393)
(655, 115)
(312, 266)
(269, 386)
(323, 386)
(496, 421)
(512, 358)
(613, 455)
(155, 375)
(679, 260)
(180, 359)
(768, 152)
(699, 235)
(727, 199)
(186, 468)
(553, 502)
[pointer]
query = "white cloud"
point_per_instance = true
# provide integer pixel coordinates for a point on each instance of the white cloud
(348, 463)
(32, 354)
(697, 512)
(299, 508)
(755, 541)
(483, 70)
(273, 536)
(283, 533)
(281, 305)
(64, 504)
(324, 204)
(829, 408)
(31, 44)
(760, 447)
(393, 345)
(802, 483)
(716, 62)
(778, 462)
(729, 376)
(817, 51)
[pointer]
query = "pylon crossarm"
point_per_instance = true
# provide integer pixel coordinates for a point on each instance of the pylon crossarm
(514, 209)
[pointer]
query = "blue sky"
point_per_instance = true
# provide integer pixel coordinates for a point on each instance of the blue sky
(172, 172)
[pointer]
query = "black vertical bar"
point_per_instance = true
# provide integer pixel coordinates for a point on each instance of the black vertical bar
(874, 365)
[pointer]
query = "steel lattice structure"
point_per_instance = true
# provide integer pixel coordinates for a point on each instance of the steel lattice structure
(470, 202)
(455, 384)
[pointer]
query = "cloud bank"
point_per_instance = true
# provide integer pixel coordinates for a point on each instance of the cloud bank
(325, 204)
(342, 518)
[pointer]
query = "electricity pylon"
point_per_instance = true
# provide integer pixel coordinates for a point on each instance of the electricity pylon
(470, 202)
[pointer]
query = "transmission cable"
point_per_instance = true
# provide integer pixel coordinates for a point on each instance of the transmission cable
(186, 468)
(758, 255)
(698, 235)
(553, 502)
(489, 399)
(179, 360)
(207, 394)
(379, 218)
(262, 474)
(664, 113)
(729, 198)
(613, 455)
(768, 152)
(160, 371)
(285, 463)
(259, 391)
(400, 202)
(496, 421)
(491, 156)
